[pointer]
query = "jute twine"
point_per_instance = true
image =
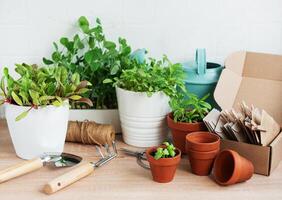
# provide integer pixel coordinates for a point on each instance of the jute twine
(90, 132)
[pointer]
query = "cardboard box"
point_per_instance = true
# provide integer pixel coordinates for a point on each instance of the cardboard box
(255, 78)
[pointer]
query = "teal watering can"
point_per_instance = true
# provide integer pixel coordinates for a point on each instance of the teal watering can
(202, 76)
(139, 55)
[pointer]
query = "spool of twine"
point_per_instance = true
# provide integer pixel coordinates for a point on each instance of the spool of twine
(90, 132)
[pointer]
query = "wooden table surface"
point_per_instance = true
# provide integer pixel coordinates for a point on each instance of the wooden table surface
(122, 178)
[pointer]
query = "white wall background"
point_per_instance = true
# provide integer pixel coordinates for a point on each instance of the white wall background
(172, 27)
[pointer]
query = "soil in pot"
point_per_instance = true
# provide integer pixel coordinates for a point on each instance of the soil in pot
(202, 141)
(163, 169)
(180, 130)
(231, 168)
(201, 162)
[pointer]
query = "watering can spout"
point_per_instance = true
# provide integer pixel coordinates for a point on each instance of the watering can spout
(139, 55)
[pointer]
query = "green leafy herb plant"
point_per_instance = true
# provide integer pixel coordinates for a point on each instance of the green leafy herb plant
(41, 87)
(151, 76)
(191, 109)
(94, 58)
(166, 151)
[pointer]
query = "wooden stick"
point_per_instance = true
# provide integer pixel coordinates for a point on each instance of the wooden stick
(68, 178)
(20, 169)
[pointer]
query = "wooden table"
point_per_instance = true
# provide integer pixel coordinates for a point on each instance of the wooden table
(122, 178)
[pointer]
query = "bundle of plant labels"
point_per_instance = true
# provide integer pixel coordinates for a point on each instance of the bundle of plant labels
(250, 125)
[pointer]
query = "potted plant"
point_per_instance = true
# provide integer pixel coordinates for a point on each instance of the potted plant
(163, 162)
(37, 107)
(95, 59)
(143, 93)
(186, 116)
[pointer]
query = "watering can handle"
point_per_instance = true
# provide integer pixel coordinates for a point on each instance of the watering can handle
(201, 61)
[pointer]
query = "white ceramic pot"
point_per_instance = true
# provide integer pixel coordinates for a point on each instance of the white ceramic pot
(42, 130)
(143, 118)
(106, 116)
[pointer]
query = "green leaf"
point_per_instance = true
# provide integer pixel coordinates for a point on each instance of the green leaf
(47, 62)
(75, 97)
(109, 45)
(56, 103)
(22, 115)
(91, 42)
(89, 56)
(82, 90)
(83, 24)
(77, 42)
(114, 70)
(55, 46)
(2, 84)
(56, 56)
(107, 80)
(35, 97)
(64, 41)
(94, 66)
(17, 98)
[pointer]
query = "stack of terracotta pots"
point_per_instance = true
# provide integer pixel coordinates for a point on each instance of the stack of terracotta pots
(202, 148)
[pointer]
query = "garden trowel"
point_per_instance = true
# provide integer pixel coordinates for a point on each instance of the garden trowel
(52, 159)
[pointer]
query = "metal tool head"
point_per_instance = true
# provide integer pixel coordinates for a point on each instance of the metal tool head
(140, 157)
(60, 159)
(106, 155)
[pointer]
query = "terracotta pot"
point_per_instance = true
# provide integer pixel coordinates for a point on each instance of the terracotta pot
(180, 130)
(231, 168)
(163, 169)
(201, 162)
(202, 141)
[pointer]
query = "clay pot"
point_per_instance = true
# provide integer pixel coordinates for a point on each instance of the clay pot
(202, 141)
(163, 169)
(231, 168)
(202, 162)
(180, 130)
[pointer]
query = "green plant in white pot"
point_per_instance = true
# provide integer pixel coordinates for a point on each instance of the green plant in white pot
(37, 107)
(143, 94)
(95, 58)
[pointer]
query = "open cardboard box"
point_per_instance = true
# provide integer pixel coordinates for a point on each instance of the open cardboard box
(255, 78)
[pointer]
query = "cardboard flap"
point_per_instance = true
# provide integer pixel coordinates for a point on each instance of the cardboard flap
(263, 66)
(236, 62)
(227, 88)
(255, 78)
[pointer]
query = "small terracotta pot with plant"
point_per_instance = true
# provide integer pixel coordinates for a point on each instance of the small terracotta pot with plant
(163, 162)
(186, 117)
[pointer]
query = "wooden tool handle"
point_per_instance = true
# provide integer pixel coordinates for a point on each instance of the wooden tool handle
(68, 178)
(20, 169)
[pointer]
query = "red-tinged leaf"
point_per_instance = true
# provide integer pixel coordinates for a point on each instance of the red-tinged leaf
(82, 84)
(85, 100)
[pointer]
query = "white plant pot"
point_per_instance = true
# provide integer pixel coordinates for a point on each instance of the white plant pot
(106, 116)
(42, 130)
(143, 118)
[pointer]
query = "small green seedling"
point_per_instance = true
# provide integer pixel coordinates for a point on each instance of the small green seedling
(167, 152)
